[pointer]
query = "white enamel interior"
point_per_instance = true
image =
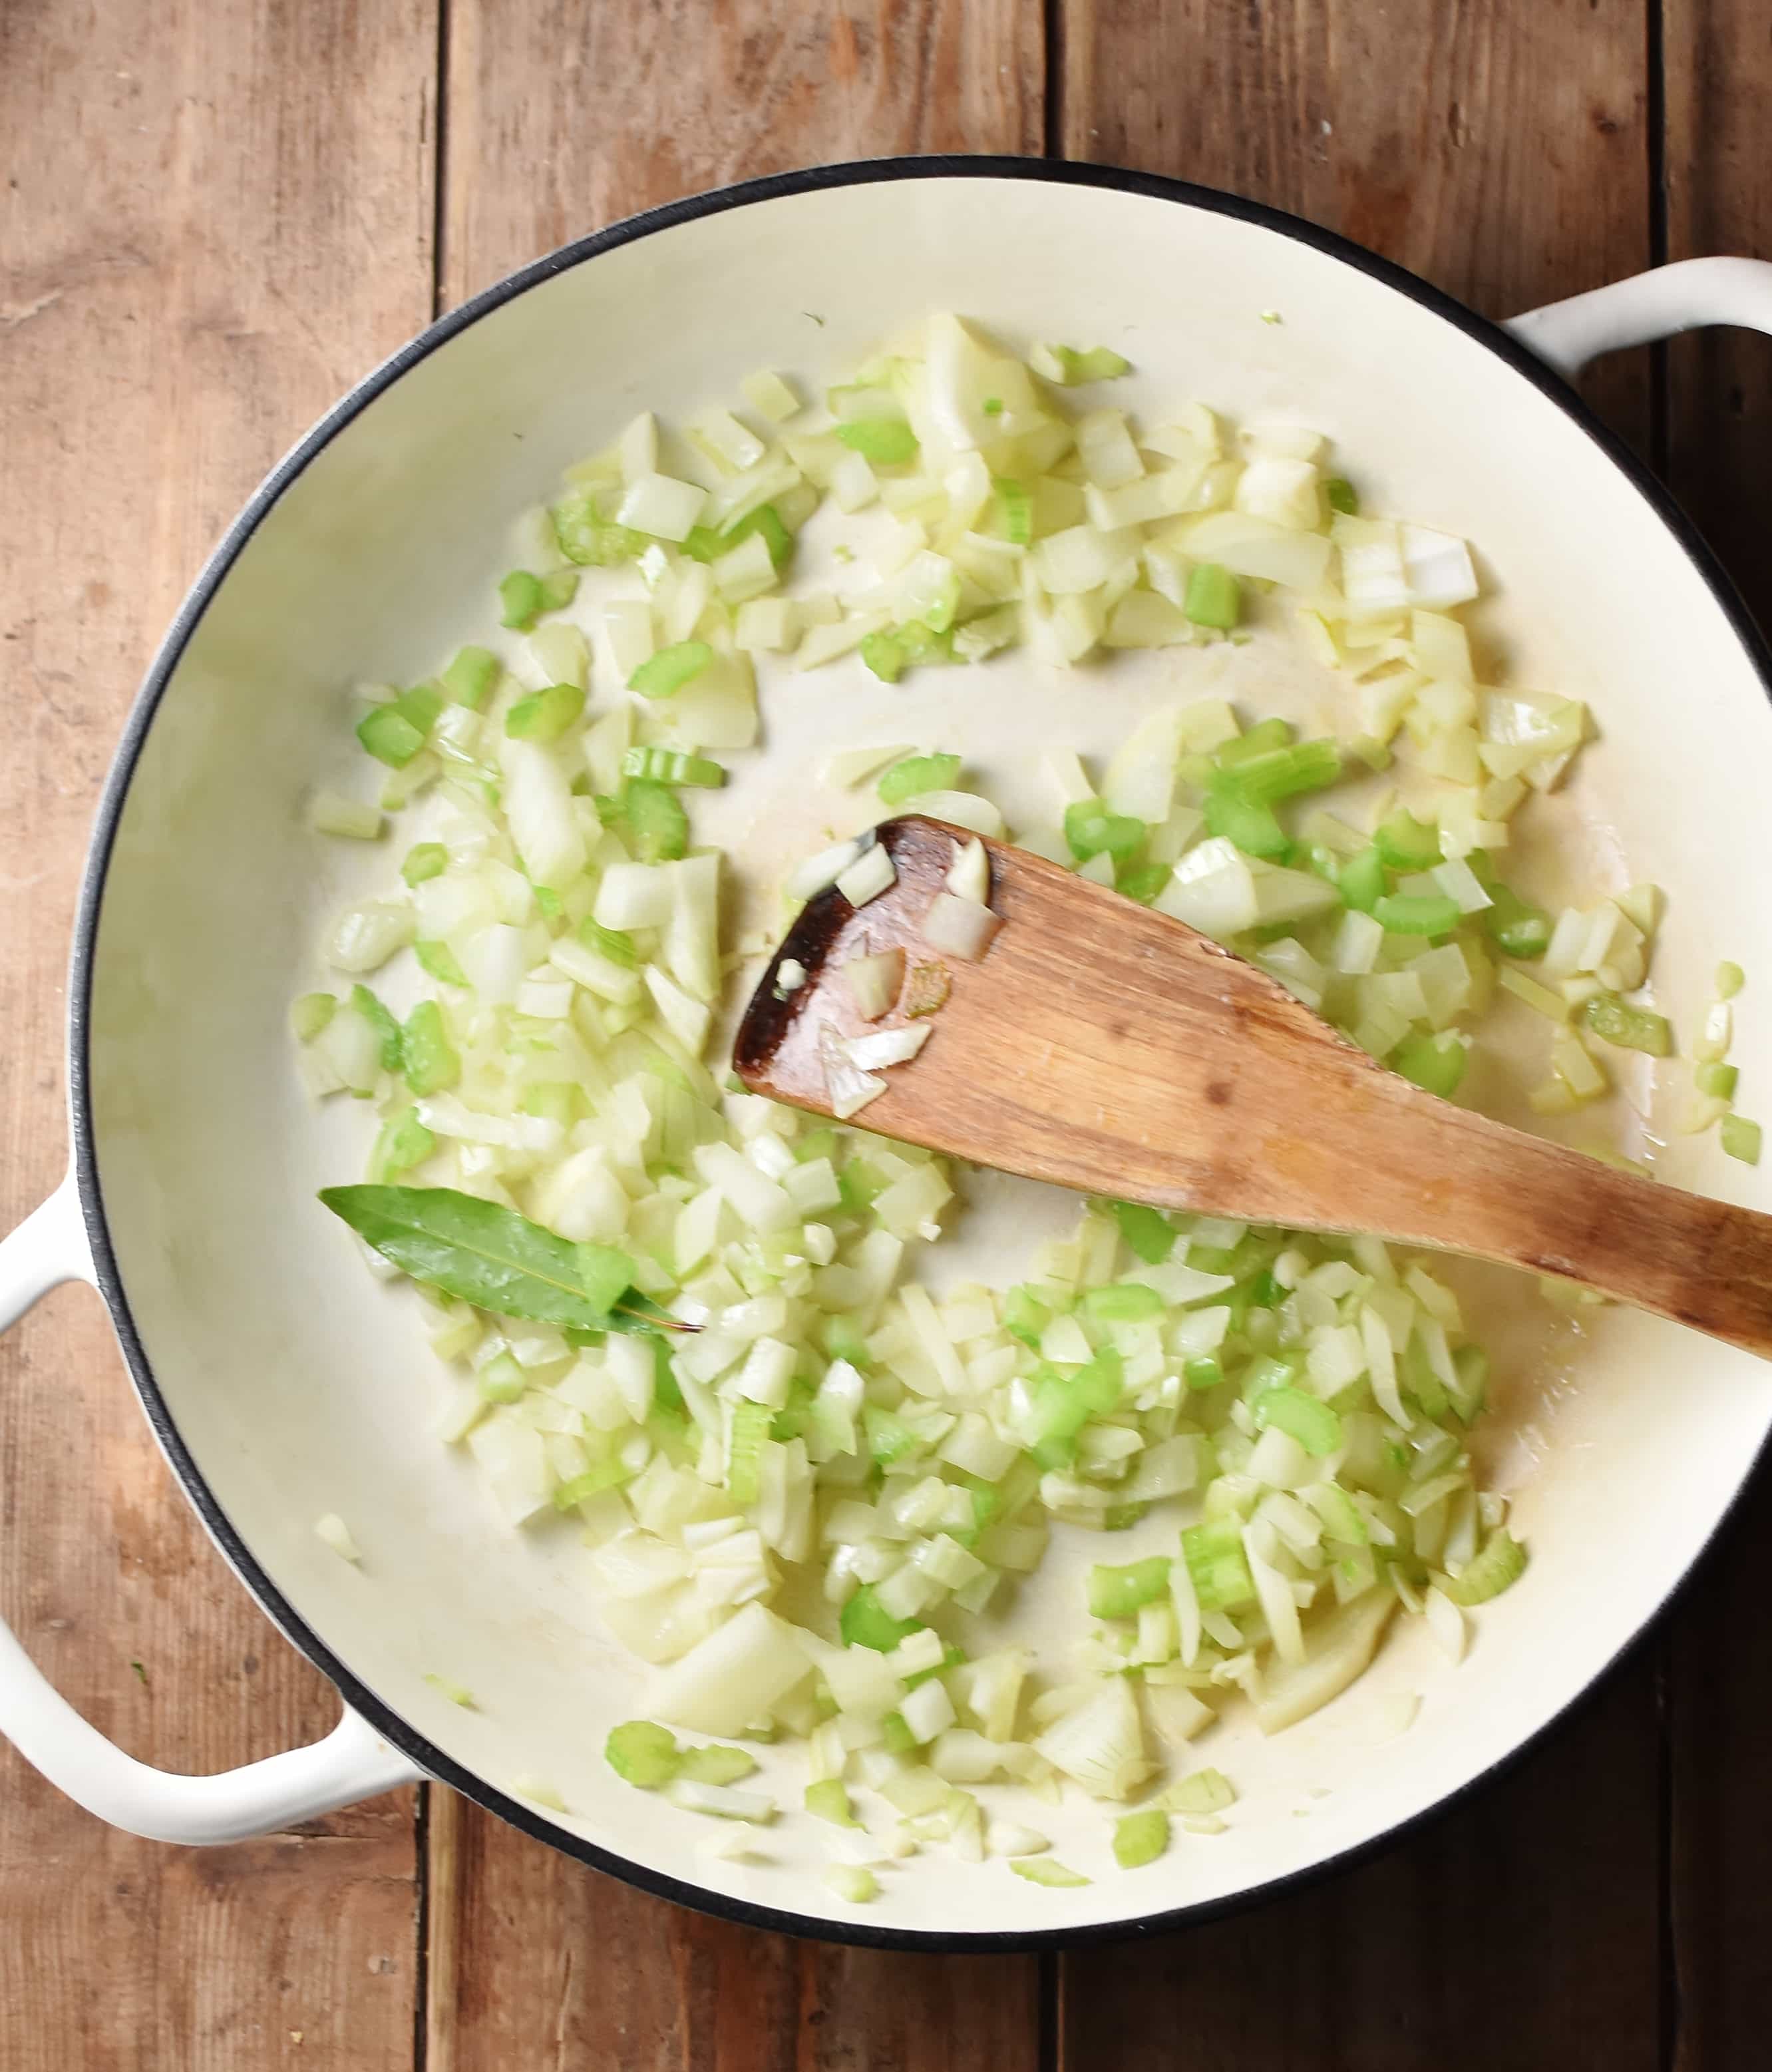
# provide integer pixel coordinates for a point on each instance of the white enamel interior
(300, 1386)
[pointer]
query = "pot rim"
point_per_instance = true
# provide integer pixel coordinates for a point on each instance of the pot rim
(387, 1721)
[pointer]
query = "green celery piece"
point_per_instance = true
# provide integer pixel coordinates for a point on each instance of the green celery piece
(1201, 1791)
(1213, 597)
(559, 587)
(1361, 879)
(1025, 1316)
(1119, 1592)
(387, 1029)
(605, 1474)
(1204, 1372)
(641, 1753)
(591, 540)
(439, 959)
(1716, 1081)
(671, 765)
(842, 1340)
(390, 736)
(751, 1422)
(916, 774)
(1094, 363)
(1280, 773)
(545, 715)
(1124, 1302)
(889, 1437)
(1014, 512)
(1213, 1551)
(1046, 1871)
(863, 1622)
(1261, 739)
(881, 652)
(614, 943)
(520, 598)
(1514, 926)
(1418, 913)
(1502, 1563)
(828, 1799)
(502, 1380)
(766, 520)
(424, 861)
(1629, 1028)
(1302, 1417)
(717, 1762)
(470, 675)
(1250, 825)
(402, 1143)
(1142, 882)
(1435, 1062)
(430, 1061)
(1408, 844)
(896, 1735)
(311, 1012)
(655, 819)
(663, 675)
(1730, 979)
(885, 442)
(1739, 1138)
(1341, 494)
(860, 1183)
(1140, 1838)
(1091, 830)
(1148, 1232)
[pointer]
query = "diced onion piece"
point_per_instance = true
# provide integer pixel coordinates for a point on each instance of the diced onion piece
(849, 1088)
(873, 981)
(1437, 568)
(736, 1674)
(968, 876)
(332, 1529)
(888, 1046)
(661, 506)
(824, 869)
(871, 874)
(961, 928)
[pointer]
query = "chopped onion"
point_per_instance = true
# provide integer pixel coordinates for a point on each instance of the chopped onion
(872, 982)
(889, 1046)
(960, 928)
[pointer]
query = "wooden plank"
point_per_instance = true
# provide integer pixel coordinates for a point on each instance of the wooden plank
(538, 1962)
(1719, 200)
(561, 119)
(211, 222)
(1502, 150)
(556, 122)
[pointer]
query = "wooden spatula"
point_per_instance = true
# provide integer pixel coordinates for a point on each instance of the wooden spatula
(1113, 1051)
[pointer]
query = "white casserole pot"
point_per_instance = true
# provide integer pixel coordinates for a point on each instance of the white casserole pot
(283, 1382)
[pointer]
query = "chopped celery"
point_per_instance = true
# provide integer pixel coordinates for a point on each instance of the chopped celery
(1202, 1373)
(430, 1061)
(1502, 1562)
(607, 1475)
(1213, 597)
(471, 676)
(1261, 739)
(387, 1029)
(1119, 1592)
(1739, 1138)
(889, 1437)
(642, 1752)
(439, 959)
(310, 1014)
(545, 715)
(716, 1763)
(1149, 1234)
(882, 655)
(829, 1799)
(1629, 1028)
(751, 1422)
(1280, 773)
(1090, 830)
(1014, 512)
(1025, 1316)
(863, 1622)
(1302, 1416)
(390, 736)
(1417, 913)
(1069, 364)
(1142, 882)
(663, 675)
(1715, 1081)
(671, 766)
(502, 1380)
(1213, 1552)
(1512, 925)
(559, 587)
(1435, 1063)
(592, 540)
(1140, 1838)
(1341, 494)
(1361, 880)
(918, 774)
(520, 596)
(1730, 979)
(896, 1735)
(1408, 844)
(404, 1143)
(424, 861)
(1200, 1791)
(853, 1882)
(1124, 1302)
(884, 442)
(1251, 825)
(1043, 1870)
(614, 943)
(655, 819)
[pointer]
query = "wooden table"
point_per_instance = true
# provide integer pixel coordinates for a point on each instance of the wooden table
(215, 217)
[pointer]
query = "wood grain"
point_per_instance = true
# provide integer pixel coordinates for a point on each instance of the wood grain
(558, 120)
(1103, 1046)
(561, 119)
(213, 220)
(1502, 148)
(1719, 198)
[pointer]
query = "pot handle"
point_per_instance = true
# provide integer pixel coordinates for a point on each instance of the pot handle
(1685, 296)
(352, 1762)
